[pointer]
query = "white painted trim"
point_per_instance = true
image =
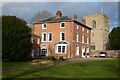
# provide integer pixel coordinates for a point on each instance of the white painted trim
(77, 37)
(77, 27)
(82, 28)
(77, 50)
(61, 48)
(83, 39)
(49, 35)
(43, 37)
(43, 26)
(61, 25)
(87, 31)
(61, 36)
(83, 50)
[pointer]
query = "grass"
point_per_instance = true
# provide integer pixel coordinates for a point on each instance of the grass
(89, 69)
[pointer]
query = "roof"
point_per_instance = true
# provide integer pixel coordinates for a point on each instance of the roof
(54, 19)
(61, 19)
(35, 35)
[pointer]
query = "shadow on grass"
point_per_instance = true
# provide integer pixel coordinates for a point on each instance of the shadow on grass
(31, 71)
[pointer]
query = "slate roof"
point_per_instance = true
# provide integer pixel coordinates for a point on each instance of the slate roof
(54, 19)
(61, 19)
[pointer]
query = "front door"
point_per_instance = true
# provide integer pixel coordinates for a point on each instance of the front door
(77, 50)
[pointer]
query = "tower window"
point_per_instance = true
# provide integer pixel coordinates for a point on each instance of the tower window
(94, 23)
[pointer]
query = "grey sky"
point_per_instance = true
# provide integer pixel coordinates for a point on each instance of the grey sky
(27, 10)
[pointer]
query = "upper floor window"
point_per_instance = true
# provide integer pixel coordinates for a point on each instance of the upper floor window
(62, 36)
(50, 36)
(62, 25)
(87, 31)
(44, 37)
(94, 24)
(82, 38)
(44, 26)
(77, 27)
(82, 28)
(77, 37)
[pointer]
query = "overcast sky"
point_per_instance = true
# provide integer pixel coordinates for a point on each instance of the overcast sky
(27, 10)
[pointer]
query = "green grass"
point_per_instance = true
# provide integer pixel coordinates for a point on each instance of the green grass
(89, 69)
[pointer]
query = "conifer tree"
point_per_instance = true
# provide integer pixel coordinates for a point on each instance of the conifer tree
(16, 39)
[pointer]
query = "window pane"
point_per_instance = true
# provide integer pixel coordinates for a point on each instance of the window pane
(59, 49)
(44, 51)
(63, 49)
(62, 24)
(63, 36)
(50, 36)
(44, 25)
(44, 37)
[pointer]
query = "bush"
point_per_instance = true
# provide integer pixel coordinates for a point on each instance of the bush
(61, 58)
(52, 58)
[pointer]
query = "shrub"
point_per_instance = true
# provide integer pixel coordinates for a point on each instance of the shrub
(52, 58)
(61, 58)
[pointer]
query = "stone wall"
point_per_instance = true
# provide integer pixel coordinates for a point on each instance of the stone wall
(111, 53)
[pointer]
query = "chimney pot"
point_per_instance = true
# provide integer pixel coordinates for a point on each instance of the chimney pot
(75, 17)
(58, 14)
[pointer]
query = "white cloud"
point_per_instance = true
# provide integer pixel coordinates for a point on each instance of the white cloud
(27, 10)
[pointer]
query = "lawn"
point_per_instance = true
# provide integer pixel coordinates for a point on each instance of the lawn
(89, 69)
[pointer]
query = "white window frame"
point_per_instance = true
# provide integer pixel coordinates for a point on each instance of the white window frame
(61, 25)
(77, 27)
(87, 31)
(51, 36)
(61, 36)
(61, 48)
(43, 37)
(43, 26)
(77, 37)
(82, 38)
(82, 28)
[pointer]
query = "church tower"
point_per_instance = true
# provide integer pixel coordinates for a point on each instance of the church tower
(100, 30)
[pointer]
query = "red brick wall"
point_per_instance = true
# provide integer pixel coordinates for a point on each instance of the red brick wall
(70, 35)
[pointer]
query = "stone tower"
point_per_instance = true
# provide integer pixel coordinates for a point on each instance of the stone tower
(100, 30)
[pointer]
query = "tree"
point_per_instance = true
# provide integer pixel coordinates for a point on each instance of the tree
(16, 39)
(114, 38)
(40, 15)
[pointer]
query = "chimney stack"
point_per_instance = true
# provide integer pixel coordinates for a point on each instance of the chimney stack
(75, 17)
(84, 21)
(58, 14)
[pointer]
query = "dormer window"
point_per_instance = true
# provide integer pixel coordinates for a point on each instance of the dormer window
(62, 25)
(44, 26)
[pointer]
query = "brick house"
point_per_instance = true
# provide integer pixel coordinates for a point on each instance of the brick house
(63, 36)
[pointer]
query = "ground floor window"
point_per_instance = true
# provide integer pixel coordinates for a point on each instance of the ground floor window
(44, 51)
(61, 49)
